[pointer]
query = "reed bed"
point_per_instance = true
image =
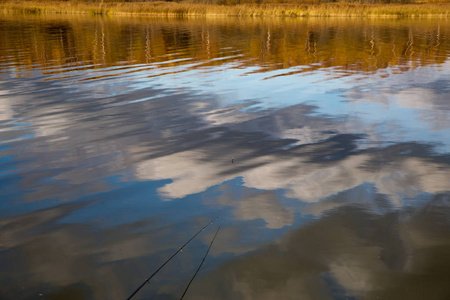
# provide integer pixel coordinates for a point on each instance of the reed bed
(195, 9)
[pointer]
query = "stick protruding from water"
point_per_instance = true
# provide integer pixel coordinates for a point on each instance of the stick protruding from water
(173, 255)
(199, 267)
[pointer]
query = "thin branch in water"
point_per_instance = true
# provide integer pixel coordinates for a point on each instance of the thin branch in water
(201, 264)
(173, 255)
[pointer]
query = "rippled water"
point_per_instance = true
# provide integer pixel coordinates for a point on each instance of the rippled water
(117, 137)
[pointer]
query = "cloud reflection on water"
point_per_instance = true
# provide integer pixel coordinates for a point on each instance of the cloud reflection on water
(319, 161)
(349, 253)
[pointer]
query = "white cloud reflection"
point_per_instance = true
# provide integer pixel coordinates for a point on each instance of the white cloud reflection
(301, 178)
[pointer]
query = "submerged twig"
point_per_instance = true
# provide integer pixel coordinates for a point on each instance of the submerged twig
(173, 255)
(203, 260)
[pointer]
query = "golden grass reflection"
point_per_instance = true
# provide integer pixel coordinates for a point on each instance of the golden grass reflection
(76, 44)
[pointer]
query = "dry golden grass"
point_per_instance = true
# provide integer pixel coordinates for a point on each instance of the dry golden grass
(193, 9)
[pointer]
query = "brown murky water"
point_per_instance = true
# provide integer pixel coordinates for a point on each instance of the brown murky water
(117, 137)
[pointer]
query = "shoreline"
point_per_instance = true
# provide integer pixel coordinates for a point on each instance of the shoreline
(245, 10)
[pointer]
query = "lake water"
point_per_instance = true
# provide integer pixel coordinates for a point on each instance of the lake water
(322, 144)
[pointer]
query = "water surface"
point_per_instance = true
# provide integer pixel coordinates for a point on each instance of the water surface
(117, 137)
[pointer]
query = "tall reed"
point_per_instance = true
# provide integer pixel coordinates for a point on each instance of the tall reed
(196, 9)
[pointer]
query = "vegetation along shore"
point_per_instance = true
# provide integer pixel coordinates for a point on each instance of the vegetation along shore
(288, 8)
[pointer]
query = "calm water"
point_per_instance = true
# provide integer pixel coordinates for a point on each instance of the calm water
(117, 137)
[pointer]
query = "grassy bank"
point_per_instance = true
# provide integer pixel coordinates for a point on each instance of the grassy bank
(195, 9)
